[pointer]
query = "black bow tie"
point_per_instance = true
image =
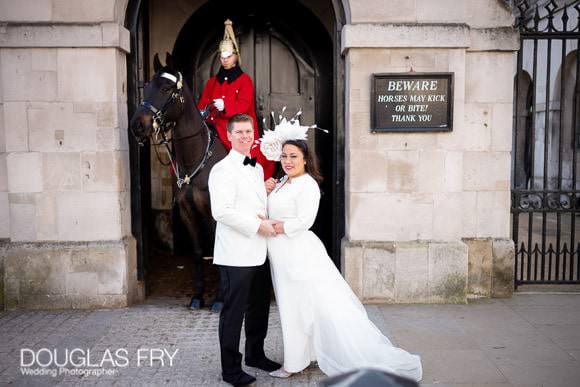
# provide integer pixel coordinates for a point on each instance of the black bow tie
(251, 161)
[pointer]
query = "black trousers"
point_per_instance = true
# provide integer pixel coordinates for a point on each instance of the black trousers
(246, 293)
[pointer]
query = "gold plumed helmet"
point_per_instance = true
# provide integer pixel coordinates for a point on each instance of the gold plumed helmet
(229, 45)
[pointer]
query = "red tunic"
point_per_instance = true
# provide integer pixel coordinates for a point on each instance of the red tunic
(238, 98)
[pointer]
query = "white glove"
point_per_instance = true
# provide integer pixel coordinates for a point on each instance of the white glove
(219, 104)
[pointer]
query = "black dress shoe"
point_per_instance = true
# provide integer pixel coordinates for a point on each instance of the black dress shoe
(241, 379)
(264, 364)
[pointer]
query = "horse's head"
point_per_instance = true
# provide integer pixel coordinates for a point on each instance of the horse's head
(163, 101)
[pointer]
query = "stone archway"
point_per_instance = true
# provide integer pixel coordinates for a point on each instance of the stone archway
(138, 62)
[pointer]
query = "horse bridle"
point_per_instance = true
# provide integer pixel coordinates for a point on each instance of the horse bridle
(160, 122)
(161, 125)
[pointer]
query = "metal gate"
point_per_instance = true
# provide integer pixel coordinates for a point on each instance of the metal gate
(545, 188)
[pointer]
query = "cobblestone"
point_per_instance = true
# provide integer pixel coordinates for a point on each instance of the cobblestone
(529, 340)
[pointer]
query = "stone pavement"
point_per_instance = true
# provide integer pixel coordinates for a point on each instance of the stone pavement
(529, 340)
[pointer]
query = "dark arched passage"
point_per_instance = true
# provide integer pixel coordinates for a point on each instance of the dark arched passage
(295, 29)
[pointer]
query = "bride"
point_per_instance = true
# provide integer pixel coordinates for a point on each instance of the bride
(322, 319)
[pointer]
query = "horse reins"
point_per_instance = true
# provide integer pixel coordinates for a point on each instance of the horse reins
(160, 126)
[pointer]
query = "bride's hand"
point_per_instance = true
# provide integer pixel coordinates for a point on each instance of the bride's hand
(278, 227)
(270, 185)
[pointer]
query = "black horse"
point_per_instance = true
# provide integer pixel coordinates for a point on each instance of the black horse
(168, 108)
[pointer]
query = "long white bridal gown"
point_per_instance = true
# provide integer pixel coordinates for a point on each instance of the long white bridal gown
(321, 317)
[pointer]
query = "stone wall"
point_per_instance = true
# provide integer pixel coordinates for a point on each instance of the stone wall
(428, 223)
(64, 162)
(430, 191)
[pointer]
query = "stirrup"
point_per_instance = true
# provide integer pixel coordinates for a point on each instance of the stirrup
(281, 373)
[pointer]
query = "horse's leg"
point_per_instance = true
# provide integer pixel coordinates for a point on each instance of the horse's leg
(201, 203)
(192, 225)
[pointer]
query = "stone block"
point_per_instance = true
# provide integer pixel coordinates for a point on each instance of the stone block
(20, 83)
(24, 172)
(379, 273)
(3, 173)
(2, 130)
(493, 214)
(101, 222)
(485, 13)
(407, 141)
(46, 217)
(447, 215)
(83, 10)
(50, 276)
(43, 59)
(26, 11)
(102, 171)
(108, 139)
(85, 107)
(360, 136)
(488, 171)
(98, 302)
(414, 59)
(108, 262)
(61, 171)
(107, 115)
(448, 272)
(453, 172)
(380, 35)
(39, 272)
(22, 222)
(44, 301)
(412, 276)
(477, 127)
(4, 216)
(352, 263)
(494, 39)
(469, 214)
(489, 68)
(480, 266)
(43, 286)
(135, 288)
(16, 126)
(395, 217)
(402, 171)
(501, 127)
(383, 11)
(11, 293)
(125, 201)
(57, 127)
(440, 11)
(115, 35)
(502, 284)
(431, 171)
(79, 283)
(368, 171)
(90, 74)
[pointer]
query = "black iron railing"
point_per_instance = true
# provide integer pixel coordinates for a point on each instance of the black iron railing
(545, 190)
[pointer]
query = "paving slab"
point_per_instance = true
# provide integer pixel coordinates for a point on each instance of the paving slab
(528, 340)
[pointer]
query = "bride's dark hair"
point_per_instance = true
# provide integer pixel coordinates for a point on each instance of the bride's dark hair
(311, 166)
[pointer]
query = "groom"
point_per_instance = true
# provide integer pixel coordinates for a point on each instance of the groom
(238, 198)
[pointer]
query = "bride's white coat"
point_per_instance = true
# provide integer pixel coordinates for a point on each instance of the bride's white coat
(322, 319)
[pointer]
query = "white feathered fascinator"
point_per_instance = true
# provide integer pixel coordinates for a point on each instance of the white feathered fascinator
(286, 129)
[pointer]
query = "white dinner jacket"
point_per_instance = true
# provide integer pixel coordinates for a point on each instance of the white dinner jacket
(238, 195)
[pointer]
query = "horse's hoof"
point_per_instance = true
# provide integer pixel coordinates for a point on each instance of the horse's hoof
(217, 306)
(195, 304)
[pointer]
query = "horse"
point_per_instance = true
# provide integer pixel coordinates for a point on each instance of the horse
(168, 108)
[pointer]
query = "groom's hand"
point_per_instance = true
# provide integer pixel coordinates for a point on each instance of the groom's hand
(266, 229)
